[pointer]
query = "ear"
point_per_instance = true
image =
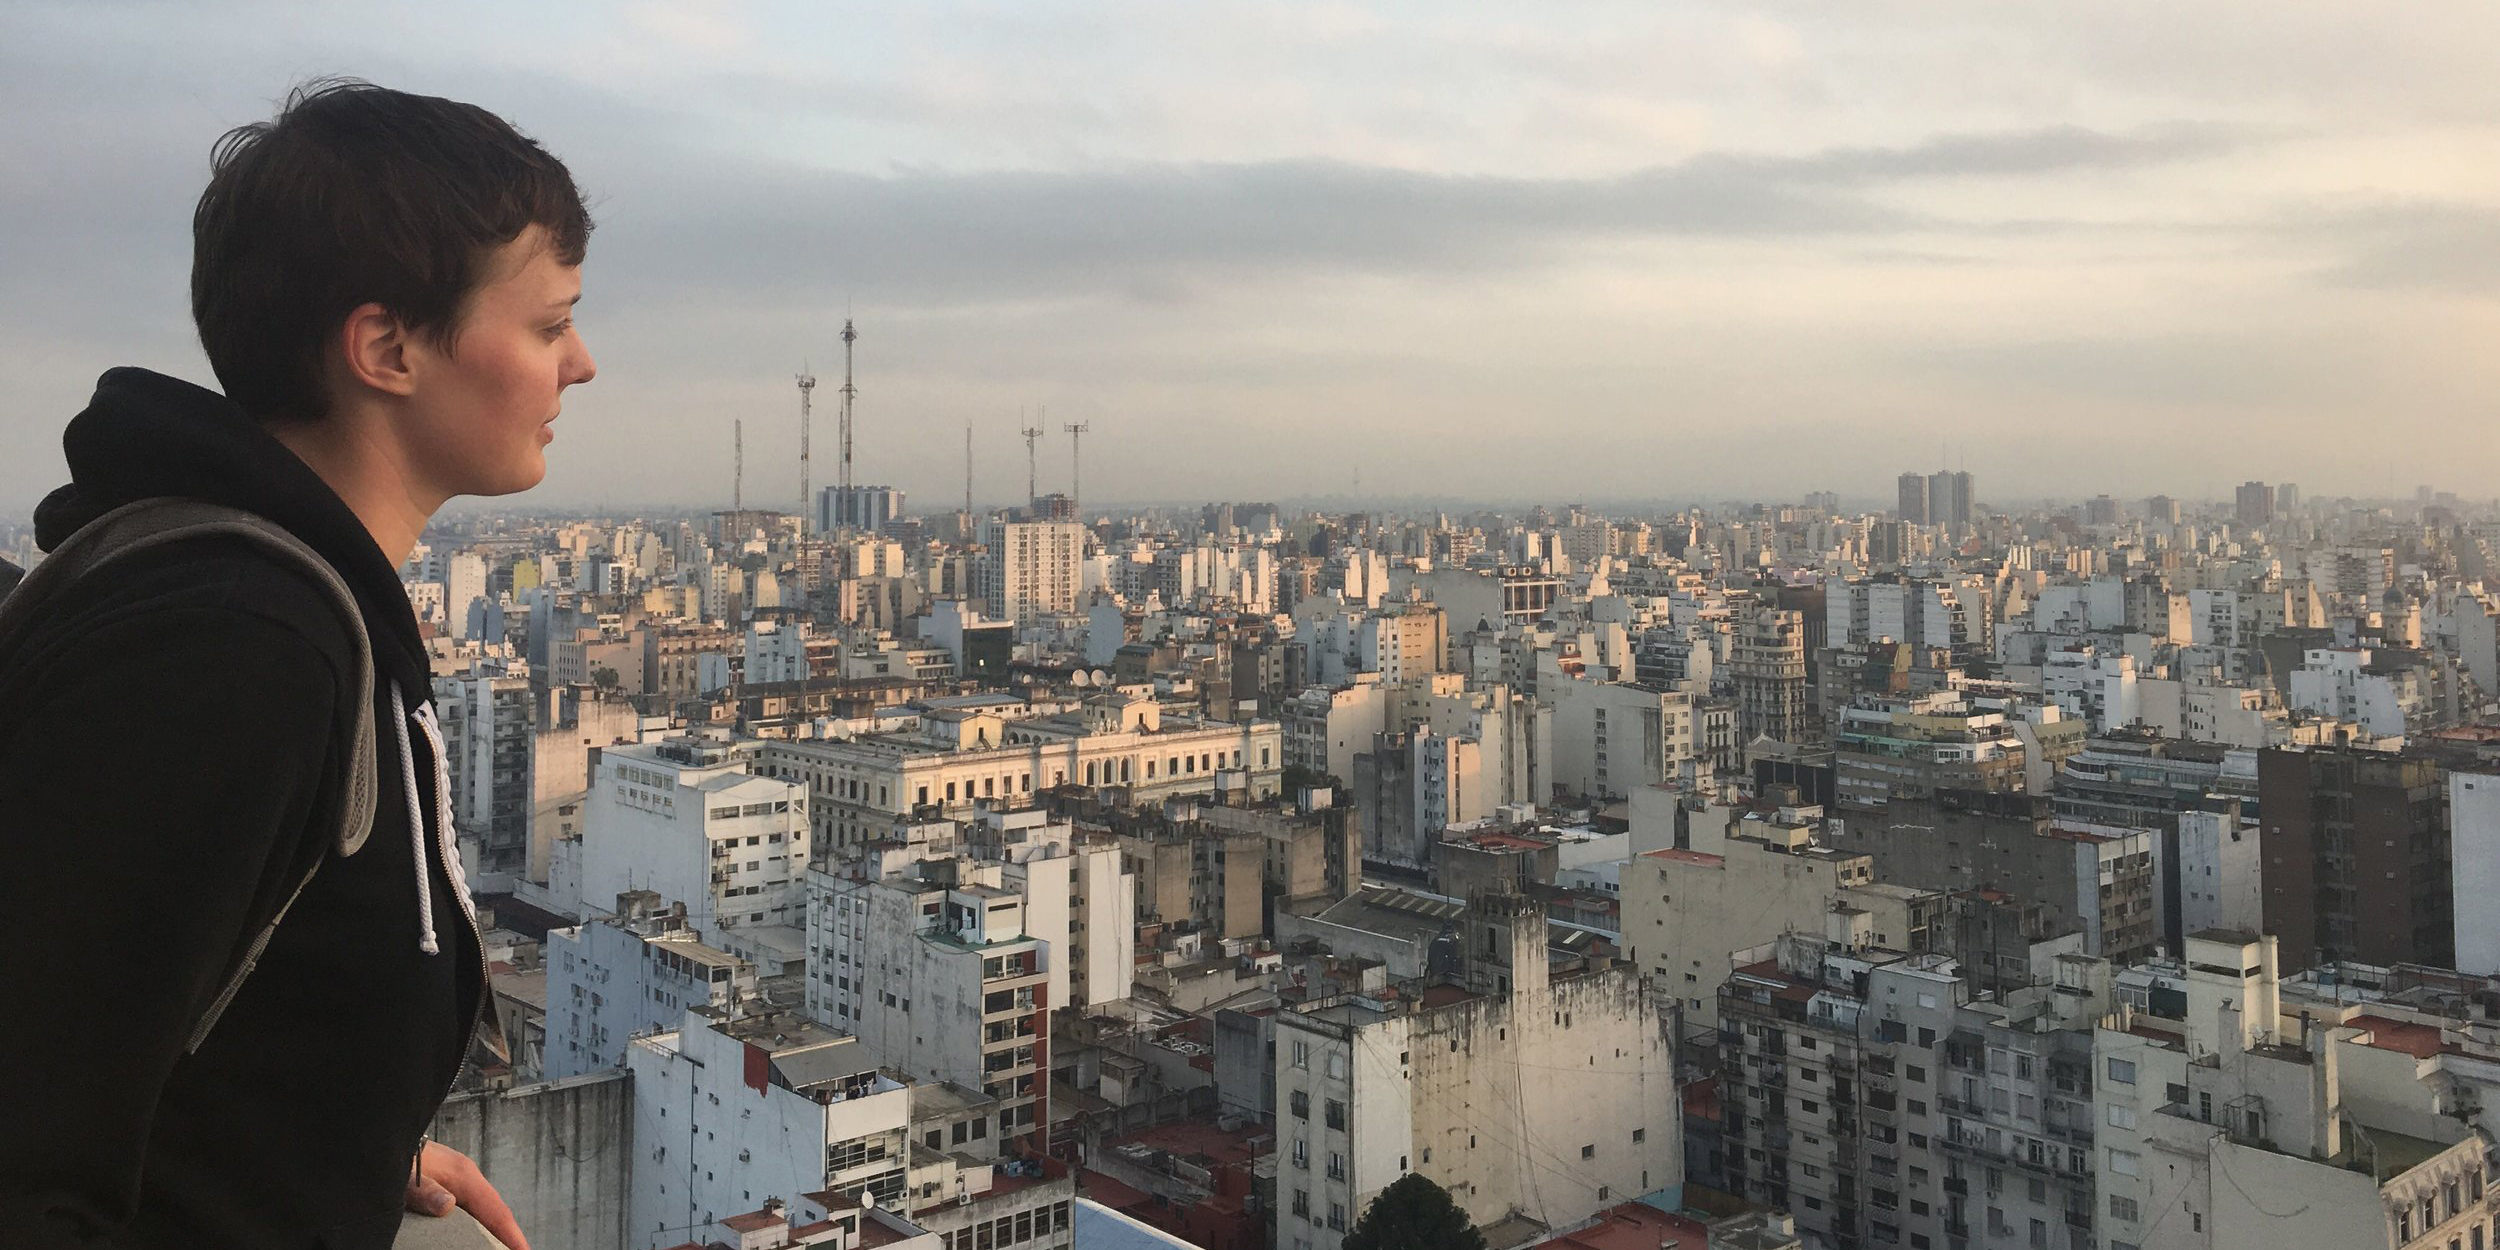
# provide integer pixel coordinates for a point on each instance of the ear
(376, 350)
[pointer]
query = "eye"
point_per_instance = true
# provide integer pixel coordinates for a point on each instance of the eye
(557, 330)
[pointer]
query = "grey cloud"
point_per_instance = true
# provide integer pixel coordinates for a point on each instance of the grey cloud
(2045, 150)
(2444, 247)
(933, 235)
(2171, 368)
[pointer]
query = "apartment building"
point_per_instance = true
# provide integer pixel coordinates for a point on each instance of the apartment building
(1517, 1089)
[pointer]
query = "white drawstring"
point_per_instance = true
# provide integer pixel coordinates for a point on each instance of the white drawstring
(442, 803)
(424, 716)
(416, 820)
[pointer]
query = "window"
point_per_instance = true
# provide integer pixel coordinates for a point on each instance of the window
(1302, 1054)
(1301, 1103)
(1640, 1135)
(2124, 1208)
(2123, 1162)
(1336, 1114)
(1589, 1151)
(2122, 1071)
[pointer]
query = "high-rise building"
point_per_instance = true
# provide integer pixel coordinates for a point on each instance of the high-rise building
(1949, 498)
(1032, 569)
(863, 508)
(1915, 506)
(1901, 1108)
(1770, 665)
(2357, 862)
(486, 735)
(2286, 499)
(2254, 505)
(2162, 509)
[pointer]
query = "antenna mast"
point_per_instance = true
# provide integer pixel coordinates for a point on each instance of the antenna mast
(1076, 462)
(737, 467)
(1032, 440)
(967, 473)
(807, 394)
(849, 393)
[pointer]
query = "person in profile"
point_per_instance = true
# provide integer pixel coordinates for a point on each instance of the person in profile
(225, 823)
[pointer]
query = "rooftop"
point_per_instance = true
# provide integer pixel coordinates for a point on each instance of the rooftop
(2418, 1040)
(1634, 1226)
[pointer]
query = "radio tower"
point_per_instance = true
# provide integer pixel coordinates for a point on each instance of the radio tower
(849, 393)
(1076, 462)
(967, 473)
(1032, 440)
(737, 468)
(807, 395)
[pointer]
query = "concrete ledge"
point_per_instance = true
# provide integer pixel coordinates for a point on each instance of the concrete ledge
(456, 1231)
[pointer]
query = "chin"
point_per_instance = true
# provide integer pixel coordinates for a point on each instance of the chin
(513, 478)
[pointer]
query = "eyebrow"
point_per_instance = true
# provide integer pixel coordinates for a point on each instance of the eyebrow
(567, 303)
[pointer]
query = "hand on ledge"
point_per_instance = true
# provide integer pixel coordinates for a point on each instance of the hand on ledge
(447, 1179)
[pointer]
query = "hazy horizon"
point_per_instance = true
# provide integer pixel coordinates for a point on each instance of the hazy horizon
(1726, 251)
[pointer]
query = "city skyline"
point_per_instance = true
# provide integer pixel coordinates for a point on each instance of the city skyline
(1714, 253)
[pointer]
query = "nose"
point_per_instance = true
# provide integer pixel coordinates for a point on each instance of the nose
(583, 367)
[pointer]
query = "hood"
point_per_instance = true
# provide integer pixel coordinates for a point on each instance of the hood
(145, 434)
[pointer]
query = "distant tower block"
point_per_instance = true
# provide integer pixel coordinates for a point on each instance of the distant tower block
(807, 395)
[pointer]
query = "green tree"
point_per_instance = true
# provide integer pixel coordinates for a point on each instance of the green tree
(1298, 778)
(1414, 1214)
(606, 678)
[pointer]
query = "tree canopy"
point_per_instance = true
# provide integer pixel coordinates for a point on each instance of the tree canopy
(1414, 1214)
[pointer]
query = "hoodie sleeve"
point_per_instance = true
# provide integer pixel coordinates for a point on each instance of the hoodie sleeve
(156, 780)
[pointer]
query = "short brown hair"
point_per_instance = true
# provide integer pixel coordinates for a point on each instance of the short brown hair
(357, 194)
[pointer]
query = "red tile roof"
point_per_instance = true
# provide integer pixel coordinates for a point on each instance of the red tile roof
(1634, 1226)
(2418, 1040)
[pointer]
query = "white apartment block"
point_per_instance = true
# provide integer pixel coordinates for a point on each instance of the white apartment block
(684, 819)
(1031, 569)
(2241, 1126)
(1324, 729)
(1611, 738)
(776, 650)
(2474, 851)
(1517, 1092)
(770, 1131)
(612, 980)
(933, 971)
(2220, 874)
(991, 753)
(487, 738)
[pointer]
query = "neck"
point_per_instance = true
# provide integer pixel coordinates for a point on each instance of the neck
(369, 475)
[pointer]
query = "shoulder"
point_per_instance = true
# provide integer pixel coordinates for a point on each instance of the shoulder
(213, 593)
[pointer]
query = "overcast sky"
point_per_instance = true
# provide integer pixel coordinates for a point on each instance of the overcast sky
(1526, 251)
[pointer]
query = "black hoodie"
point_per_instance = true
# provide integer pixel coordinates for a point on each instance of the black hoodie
(171, 751)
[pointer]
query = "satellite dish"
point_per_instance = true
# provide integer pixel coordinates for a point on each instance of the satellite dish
(868, 1199)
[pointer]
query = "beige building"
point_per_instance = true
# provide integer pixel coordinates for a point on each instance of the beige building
(1686, 911)
(1524, 1092)
(977, 750)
